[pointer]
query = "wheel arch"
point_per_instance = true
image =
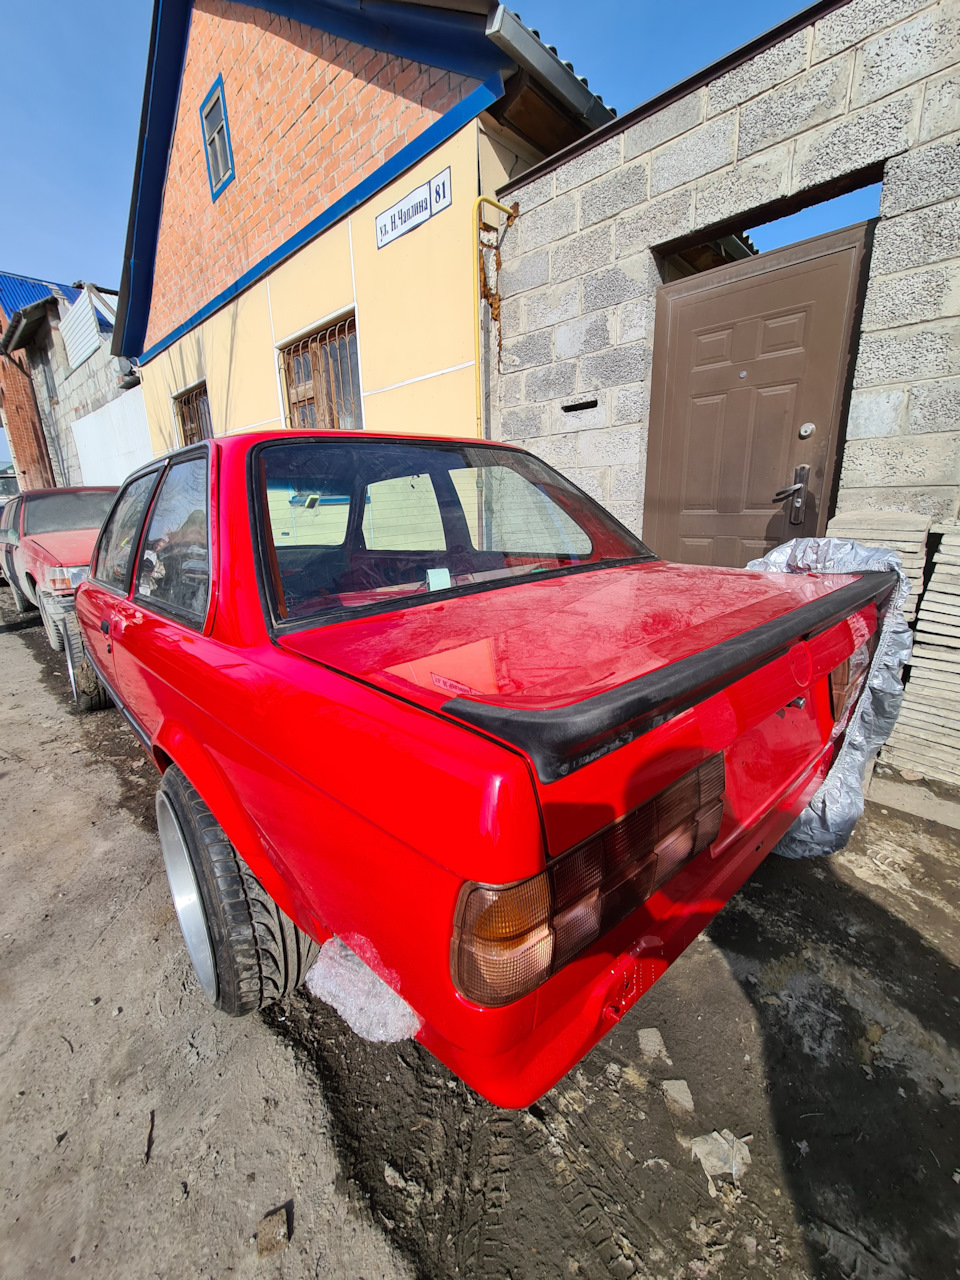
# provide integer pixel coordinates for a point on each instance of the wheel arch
(174, 745)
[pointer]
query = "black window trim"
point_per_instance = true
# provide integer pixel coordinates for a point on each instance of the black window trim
(128, 577)
(175, 614)
(278, 626)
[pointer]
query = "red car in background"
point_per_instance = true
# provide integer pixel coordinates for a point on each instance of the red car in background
(427, 696)
(46, 539)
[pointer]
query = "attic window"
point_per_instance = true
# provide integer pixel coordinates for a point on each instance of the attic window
(216, 140)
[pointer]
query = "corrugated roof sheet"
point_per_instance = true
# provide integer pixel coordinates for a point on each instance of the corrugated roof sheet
(20, 291)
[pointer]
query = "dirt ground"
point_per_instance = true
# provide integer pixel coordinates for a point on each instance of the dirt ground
(819, 1018)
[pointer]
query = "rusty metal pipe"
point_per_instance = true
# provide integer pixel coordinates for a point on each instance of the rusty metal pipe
(478, 267)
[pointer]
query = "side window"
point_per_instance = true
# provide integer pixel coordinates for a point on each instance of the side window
(174, 568)
(216, 139)
(403, 515)
(9, 519)
(112, 565)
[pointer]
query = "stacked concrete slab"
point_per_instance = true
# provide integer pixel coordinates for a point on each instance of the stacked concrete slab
(904, 532)
(927, 736)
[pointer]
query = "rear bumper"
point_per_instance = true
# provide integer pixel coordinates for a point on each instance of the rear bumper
(588, 998)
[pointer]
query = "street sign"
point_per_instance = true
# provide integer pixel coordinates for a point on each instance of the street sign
(415, 209)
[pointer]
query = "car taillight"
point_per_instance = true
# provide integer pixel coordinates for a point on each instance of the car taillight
(846, 680)
(509, 939)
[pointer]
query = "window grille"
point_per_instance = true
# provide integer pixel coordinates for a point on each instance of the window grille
(322, 376)
(193, 415)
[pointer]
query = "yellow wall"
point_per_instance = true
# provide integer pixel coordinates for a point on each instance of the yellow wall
(413, 301)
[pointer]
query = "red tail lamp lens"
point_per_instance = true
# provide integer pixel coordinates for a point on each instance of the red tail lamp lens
(508, 940)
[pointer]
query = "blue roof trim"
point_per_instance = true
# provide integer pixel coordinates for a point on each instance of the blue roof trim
(17, 292)
(470, 107)
(216, 191)
(438, 37)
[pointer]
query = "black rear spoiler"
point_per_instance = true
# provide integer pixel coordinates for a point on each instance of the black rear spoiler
(562, 739)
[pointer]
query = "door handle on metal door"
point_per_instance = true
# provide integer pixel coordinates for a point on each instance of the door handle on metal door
(797, 493)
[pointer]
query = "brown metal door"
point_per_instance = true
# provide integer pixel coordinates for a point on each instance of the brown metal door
(747, 359)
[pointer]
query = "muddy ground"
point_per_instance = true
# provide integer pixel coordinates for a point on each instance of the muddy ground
(819, 1018)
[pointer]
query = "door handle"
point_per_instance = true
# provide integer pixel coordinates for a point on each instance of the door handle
(105, 626)
(797, 493)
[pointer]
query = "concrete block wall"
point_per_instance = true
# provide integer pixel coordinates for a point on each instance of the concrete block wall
(876, 82)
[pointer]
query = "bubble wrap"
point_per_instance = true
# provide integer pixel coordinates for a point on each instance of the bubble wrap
(827, 822)
(365, 1002)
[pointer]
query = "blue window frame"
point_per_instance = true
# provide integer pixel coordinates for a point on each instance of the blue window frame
(216, 140)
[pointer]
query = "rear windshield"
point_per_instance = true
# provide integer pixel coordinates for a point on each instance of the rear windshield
(58, 512)
(364, 523)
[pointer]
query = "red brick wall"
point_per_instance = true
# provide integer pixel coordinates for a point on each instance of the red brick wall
(310, 116)
(24, 432)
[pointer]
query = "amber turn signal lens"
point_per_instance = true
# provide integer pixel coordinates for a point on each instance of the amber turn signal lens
(510, 939)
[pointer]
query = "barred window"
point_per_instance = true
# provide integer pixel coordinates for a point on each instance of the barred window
(322, 376)
(193, 415)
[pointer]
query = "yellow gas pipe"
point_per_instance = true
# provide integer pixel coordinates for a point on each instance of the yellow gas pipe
(478, 267)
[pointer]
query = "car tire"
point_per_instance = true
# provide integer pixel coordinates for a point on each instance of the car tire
(19, 599)
(54, 634)
(245, 951)
(88, 692)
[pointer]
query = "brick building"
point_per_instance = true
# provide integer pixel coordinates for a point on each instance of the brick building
(303, 243)
(685, 389)
(57, 373)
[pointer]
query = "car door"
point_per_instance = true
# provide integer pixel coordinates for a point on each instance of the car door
(111, 572)
(10, 539)
(158, 627)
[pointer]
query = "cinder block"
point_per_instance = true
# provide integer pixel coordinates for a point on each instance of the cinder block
(940, 503)
(525, 272)
(810, 99)
(916, 239)
(654, 222)
(585, 334)
(581, 254)
(934, 406)
(772, 66)
(548, 223)
(511, 317)
(623, 189)
(748, 186)
(632, 278)
(579, 420)
(863, 138)
(703, 150)
(559, 451)
(589, 165)
(534, 193)
(664, 125)
(923, 176)
(941, 106)
(613, 446)
(626, 482)
(551, 306)
(908, 355)
(528, 350)
(904, 54)
(632, 404)
(858, 21)
(920, 461)
(592, 480)
(518, 424)
(635, 321)
(928, 294)
(616, 367)
(550, 382)
(876, 413)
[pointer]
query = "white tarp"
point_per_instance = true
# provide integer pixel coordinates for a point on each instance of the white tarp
(114, 440)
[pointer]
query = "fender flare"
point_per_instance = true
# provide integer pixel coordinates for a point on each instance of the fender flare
(172, 744)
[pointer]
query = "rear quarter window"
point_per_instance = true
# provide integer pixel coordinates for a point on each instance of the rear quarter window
(173, 573)
(118, 540)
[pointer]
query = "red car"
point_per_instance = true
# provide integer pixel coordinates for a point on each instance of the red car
(46, 538)
(427, 696)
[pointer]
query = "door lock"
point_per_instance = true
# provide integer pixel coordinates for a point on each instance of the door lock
(797, 494)
(807, 430)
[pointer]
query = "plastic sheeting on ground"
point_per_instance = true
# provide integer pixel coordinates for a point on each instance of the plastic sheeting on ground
(365, 1002)
(827, 822)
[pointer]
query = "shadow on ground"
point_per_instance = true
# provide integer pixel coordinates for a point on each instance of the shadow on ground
(813, 1018)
